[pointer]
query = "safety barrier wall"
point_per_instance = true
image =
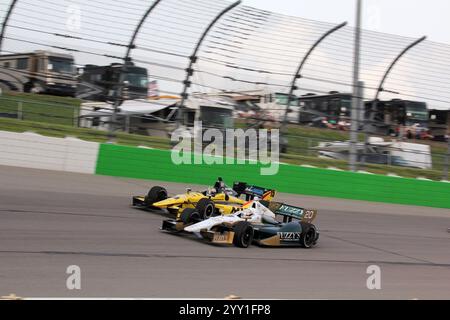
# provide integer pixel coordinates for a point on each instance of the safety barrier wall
(29, 150)
(157, 165)
(72, 155)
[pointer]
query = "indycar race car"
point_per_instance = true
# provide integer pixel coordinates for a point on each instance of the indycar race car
(257, 224)
(219, 200)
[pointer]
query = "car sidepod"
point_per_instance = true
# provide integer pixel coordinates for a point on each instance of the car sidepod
(283, 235)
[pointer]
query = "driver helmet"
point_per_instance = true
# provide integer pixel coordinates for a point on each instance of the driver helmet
(246, 214)
(220, 185)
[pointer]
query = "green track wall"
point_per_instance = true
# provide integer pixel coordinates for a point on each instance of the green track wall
(157, 165)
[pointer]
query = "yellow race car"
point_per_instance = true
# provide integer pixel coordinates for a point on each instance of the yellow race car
(218, 200)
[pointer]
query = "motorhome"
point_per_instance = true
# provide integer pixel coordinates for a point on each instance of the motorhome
(332, 108)
(379, 151)
(439, 124)
(101, 83)
(396, 117)
(38, 72)
(145, 117)
(213, 112)
(159, 117)
(263, 105)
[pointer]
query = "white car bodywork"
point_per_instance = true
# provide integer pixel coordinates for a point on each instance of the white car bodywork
(253, 215)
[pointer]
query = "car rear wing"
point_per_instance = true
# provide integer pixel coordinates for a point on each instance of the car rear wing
(251, 192)
(291, 212)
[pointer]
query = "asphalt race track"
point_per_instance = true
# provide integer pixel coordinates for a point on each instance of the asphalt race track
(51, 220)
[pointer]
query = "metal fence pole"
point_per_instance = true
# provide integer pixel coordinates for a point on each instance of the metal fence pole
(127, 123)
(5, 23)
(357, 97)
(308, 153)
(369, 121)
(123, 71)
(193, 59)
(297, 76)
(75, 117)
(300, 68)
(20, 110)
(447, 163)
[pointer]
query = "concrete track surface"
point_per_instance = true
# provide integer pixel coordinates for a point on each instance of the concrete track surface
(50, 220)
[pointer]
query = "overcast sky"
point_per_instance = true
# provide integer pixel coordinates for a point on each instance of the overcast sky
(413, 18)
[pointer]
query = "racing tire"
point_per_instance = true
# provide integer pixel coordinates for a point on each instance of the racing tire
(156, 194)
(206, 208)
(189, 216)
(243, 234)
(309, 236)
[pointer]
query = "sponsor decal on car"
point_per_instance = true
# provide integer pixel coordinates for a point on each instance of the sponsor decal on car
(289, 236)
(291, 210)
(226, 237)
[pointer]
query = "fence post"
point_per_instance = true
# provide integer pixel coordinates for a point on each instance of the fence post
(75, 117)
(124, 69)
(5, 23)
(369, 122)
(127, 123)
(193, 60)
(298, 75)
(308, 152)
(357, 111)
(447, 162)
(19, 110)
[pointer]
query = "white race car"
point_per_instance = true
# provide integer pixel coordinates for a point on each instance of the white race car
(257, 224)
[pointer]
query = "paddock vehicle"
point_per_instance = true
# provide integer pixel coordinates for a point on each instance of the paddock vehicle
(218, 200)
(100, 83)
(38, 72)
(257, 224)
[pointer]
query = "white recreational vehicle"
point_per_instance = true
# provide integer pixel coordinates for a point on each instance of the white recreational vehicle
(395, 153)
(159, 117)
(264, 105)
(39, 72)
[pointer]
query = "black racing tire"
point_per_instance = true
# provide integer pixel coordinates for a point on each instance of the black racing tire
(206, 208)
(243, 234)
(309, 236)
(190, 216)
(156, 194)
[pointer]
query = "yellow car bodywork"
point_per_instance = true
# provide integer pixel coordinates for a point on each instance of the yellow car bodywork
(225, 204)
